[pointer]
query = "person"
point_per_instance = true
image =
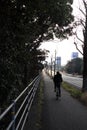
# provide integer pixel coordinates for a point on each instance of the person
(57, 82)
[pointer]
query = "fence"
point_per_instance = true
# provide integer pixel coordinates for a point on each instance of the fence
(15, 116)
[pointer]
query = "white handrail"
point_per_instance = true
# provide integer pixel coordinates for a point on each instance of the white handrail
(29, 93)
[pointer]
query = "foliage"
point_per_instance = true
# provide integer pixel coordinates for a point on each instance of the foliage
(24, 24)
(74, 66)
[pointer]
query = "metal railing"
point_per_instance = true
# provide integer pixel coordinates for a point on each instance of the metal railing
(15, 116)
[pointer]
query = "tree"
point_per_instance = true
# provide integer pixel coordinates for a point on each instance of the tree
(75, 66)
(83, 23)
(24, 24)
(85, 53)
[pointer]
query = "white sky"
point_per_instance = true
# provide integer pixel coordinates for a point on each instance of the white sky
(64, 48)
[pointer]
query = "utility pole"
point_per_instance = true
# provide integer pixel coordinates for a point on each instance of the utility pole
(55, 63)
(51, 66)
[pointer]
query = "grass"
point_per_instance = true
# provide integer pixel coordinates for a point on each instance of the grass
(72, 90)
(76, 93)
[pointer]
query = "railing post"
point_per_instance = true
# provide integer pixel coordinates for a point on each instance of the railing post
(13, 115)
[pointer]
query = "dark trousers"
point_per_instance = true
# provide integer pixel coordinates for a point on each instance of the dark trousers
(59, 88)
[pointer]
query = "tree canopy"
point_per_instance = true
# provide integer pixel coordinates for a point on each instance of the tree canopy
(24, 24)
(75, 66)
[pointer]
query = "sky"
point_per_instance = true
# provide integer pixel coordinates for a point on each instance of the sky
(64, 48)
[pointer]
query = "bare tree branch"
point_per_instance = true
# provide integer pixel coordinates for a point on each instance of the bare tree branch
(79, 38)
(78, 48)
(82, 11)
(85, 4)
(82, 22)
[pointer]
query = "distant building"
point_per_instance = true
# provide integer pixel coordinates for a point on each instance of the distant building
(58, 63)
(74, 55)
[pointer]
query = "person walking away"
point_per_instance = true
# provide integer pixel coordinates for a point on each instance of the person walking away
(57, 82)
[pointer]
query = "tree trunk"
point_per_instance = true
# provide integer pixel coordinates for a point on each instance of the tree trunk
(85, 57)
(85, 68)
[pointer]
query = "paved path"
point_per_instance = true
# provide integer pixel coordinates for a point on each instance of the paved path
(64, 114)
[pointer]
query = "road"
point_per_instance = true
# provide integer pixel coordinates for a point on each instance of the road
(76, 81)
(64, 114)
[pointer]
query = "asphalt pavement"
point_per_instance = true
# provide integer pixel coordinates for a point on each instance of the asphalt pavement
(64, 114)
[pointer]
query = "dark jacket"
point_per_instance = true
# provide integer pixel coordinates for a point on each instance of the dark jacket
(57, 78)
